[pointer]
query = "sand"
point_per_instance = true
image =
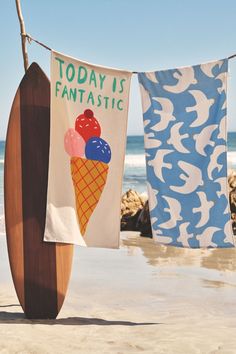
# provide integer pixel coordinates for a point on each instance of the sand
(142, 298)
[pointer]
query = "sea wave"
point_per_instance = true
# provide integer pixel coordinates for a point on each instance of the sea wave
(135, 160)
(2, 161)
(231, 159)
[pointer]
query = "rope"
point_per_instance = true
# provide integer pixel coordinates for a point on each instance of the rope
(30, 39)
(232, 56)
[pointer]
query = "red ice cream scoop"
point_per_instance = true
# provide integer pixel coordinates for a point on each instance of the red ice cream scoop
(87, 125)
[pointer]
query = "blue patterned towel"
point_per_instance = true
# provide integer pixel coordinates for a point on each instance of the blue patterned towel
(184, 112)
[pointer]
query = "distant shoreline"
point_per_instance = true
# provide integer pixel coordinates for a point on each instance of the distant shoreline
(132, 136)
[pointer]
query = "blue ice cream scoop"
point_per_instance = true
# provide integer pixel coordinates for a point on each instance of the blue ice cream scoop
(98, 149)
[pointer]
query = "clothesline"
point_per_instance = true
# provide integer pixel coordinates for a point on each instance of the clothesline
(30, 39)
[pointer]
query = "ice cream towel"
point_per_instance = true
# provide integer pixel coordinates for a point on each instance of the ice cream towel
(89, 107)
(184, 113)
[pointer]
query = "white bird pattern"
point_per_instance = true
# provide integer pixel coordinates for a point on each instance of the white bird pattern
(213, 164)
(207, 68)
(224, 106)
(152, 201)
(174, 211)
(202, 107)
(192, 177)
(228, 231)
(166, 113)
(223, 186)
(222, 129)
(158, 163)
(146, 101)
(176, 138)
(184, 236)
(158, 237)
(222, 77)
(153, 220)
(185, 77)
(152, 77)
(227, 211)
(205, 238)
(146, 122)
(150, 135)
(204, 138)
(152, 192)
(204, 209)
(151, 142)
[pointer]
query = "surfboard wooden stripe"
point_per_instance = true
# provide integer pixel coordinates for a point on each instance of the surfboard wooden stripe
(35, 129)
(12, 176)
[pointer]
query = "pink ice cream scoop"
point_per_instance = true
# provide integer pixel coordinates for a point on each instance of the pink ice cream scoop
(74, 143)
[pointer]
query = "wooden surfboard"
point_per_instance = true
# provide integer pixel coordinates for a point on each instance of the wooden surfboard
(40, 270)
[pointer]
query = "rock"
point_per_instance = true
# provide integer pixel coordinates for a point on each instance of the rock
(131, 205)
(135, 213)
(232, 197)
(232, 179)
(129, 222)
(131, 202)
(144, 222)
(232, 201)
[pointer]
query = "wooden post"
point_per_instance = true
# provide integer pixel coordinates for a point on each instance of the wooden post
(23, 34)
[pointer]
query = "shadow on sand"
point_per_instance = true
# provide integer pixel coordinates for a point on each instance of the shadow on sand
(19, 318)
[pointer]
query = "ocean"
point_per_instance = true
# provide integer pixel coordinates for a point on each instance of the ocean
(134, 172)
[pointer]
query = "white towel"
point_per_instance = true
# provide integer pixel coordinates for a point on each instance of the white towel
(89, 108)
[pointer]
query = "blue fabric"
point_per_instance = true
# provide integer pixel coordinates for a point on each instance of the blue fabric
(184, 113)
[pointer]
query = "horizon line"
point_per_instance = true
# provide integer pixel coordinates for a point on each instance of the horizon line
(129, 135)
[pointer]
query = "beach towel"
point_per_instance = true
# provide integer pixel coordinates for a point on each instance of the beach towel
(89, 108)
(185, 119)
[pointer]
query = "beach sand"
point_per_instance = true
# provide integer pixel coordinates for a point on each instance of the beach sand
(140, 298)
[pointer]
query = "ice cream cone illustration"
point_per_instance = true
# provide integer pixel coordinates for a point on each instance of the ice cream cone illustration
(90, 156)
(89, 178)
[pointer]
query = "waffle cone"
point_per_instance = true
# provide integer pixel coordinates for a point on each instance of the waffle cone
(89, 178)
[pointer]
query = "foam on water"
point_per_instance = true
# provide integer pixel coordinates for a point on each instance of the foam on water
(135, 160)
(231, 159)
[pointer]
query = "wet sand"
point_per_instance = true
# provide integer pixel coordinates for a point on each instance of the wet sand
(142, 298)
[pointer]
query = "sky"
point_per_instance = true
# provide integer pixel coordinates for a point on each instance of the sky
(136, 35)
